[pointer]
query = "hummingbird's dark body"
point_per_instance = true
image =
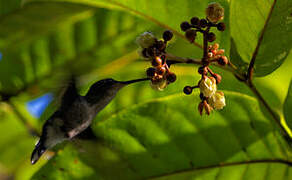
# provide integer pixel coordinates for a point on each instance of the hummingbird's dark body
(76, 113)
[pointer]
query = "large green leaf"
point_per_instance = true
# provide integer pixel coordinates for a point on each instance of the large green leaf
(168, 135)
(165, 14)
(80, 47)
(34, 20)
(263, 25)
(15, 143)
(288, 106)
(249, 170)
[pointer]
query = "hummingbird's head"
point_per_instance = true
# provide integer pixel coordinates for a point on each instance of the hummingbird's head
(107, 88)
(104, 86)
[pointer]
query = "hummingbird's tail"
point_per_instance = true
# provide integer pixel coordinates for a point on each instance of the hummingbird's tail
(38, 151)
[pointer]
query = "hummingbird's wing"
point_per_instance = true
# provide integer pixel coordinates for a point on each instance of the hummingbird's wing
(52, 131)
(69, 95)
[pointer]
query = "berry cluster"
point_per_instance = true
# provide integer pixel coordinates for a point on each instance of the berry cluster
(160, 74)
(214, 13)
(210, 97)
(154, 50)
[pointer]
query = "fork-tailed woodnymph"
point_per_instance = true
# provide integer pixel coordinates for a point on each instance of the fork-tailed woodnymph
(76, 113)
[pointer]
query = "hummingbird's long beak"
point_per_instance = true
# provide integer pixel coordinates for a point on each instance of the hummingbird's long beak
(134, 81)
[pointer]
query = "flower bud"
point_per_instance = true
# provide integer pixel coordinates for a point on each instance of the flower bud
(200, 108)
(157, 61)
(217, 101)
(146, 40)
(220, 52)
(217, 77)
(214, 12)
(207, 107)
(208, 86)
(215, 46)
(210, 54)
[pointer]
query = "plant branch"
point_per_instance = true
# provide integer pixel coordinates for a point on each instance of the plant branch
(172, 59)
(205, 46)
(270, 110)
(280, 161)
(254, 55)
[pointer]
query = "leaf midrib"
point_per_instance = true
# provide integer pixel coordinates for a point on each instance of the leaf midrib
(261, 161)
(254, 55)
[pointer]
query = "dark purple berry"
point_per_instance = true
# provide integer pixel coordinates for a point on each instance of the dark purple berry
(188, 90)
(171, 77)
(191, 35)
(185, 26)
(222, 60)
(150, 72)
(160, 45)
(167, 35)
(203, 23)
(211, 37)
(195, 21)
(221, 26)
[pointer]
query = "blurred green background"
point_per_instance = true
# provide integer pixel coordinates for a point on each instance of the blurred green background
(42, 42)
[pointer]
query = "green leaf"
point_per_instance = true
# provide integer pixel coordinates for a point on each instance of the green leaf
(80, 47)
(37, 19)
(169, 17)
(255, 24)
(249, 170)
(9, 6)
(168, 135)
(15, 139)
(288, 107)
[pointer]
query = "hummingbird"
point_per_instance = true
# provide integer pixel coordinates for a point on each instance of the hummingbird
(76, 113)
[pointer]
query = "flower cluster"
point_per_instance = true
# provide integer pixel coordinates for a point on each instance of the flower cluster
(154, 50)
(216, 55)
(210, 97)
(160, 74)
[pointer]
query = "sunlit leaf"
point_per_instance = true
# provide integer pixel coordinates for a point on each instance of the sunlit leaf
(288, 107)
(168, 135)
(262, 24)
